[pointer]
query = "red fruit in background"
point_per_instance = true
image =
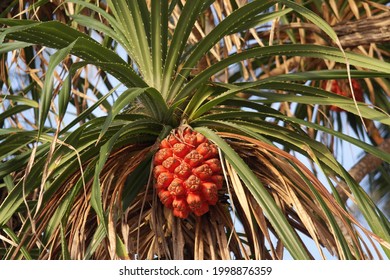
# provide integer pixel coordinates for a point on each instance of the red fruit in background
(341, 87)
(187, 173)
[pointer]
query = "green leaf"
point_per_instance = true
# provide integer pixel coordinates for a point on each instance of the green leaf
(226, 26)
(7, 47)
(183, 29)
(13, 111)
(155, 104)
(149, 97)
(121, 25)
(8, 182)
(64, 247)
(52, 33)
(313, 17)
(97, 25)
(15, 142)
(311, 95)
(18, 99)
(88, 111)
(104, 14)
(97, 239)
(250, 116)
(123, 72)
(145, 15)
(47, 90)
(9, 7)
(370, 211)
(59, 36)
(96, 196)
(121, 249)
(159, 30)
(16, 196)
(129, 19)
(135, 182)
(259, 20)
(123, 100)
(196, 101)
(141, 29)
(16, 239)
(64, 97)
(292, 140)
(305, 50)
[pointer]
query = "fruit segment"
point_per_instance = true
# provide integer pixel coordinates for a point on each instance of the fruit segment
(187, 173)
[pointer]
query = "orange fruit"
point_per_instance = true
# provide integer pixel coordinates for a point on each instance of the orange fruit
(187, 173)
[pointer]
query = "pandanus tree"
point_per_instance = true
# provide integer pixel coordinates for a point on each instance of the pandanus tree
(167, 130)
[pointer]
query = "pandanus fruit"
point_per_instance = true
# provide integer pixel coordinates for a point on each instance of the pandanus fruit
(187, 173)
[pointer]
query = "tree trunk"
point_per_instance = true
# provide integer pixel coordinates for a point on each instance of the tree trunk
(375, 29)
(366, 165)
